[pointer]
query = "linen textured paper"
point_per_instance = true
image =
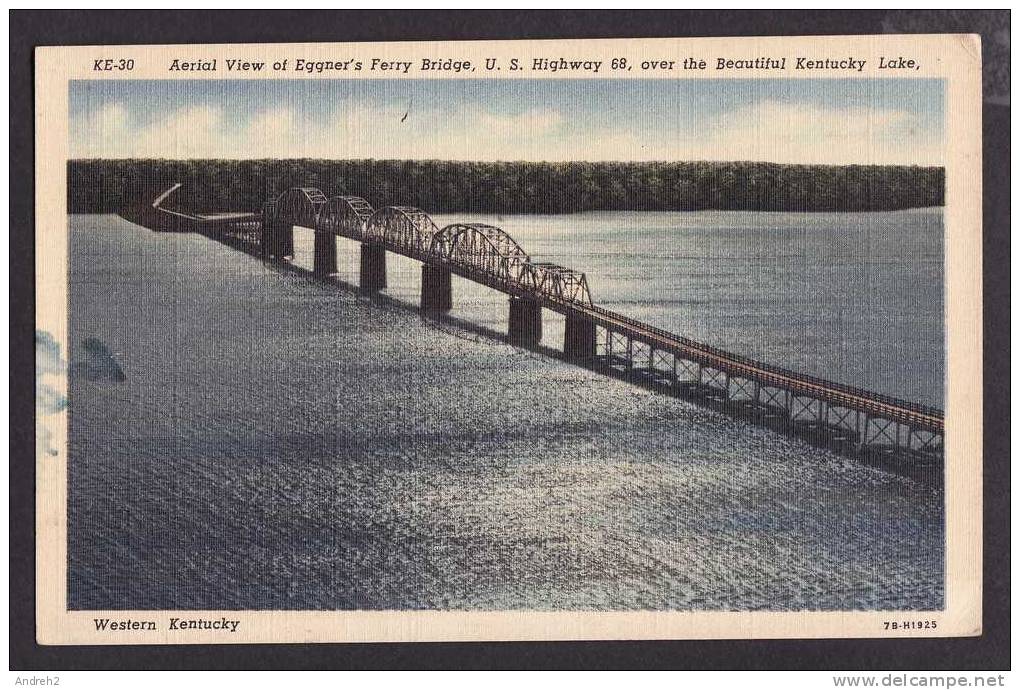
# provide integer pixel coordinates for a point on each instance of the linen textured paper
(512, 340)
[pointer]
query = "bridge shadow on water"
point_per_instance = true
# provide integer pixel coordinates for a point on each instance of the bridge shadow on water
(252, 248)
(827, 437)
(831, 438)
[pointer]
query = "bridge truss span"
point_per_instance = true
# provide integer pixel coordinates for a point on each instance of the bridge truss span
(346, 216)
(482, 247)
(402, 228)
(299, 206)
(557, 282)
(489, 255)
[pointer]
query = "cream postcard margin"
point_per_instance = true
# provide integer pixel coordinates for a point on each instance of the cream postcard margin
(956, 59)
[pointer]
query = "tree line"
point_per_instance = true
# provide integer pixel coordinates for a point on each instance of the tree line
(108, 186)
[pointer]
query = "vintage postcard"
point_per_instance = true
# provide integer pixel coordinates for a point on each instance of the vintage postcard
(510, 340)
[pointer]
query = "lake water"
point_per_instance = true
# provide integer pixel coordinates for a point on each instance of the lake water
(242, 436)
(851, 297)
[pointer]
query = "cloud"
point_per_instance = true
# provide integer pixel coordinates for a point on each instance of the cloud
(806, 133)
(187, 133)
(769, 130)
(531, 122)
(193, 132)
(99, 134)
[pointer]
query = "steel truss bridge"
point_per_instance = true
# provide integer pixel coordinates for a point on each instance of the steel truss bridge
(839, 416)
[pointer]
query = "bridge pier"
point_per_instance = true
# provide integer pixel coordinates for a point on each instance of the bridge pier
(277, 239)
(373, 266)
(436, 288)
(579, 338)
(325, 253)
(284, 244)
(525, 326)
(264, 230)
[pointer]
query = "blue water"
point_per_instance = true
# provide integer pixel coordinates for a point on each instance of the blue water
(851, 297)
(246, 437)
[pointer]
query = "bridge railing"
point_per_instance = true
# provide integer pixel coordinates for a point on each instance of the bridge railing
(761, 369)
(495, 258)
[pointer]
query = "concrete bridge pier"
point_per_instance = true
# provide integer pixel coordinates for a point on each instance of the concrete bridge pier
(264, 231)
(284, 244)
(579, 338)
(436, 288)
(325, 253)
(373, 266)
(525, 326)
(277, 239)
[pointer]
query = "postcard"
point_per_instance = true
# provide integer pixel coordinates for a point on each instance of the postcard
(509, 340)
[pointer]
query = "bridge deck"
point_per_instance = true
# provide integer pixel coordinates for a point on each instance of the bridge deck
(414, 225)
(831, 392)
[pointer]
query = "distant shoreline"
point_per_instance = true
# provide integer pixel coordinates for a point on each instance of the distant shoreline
(107, 186)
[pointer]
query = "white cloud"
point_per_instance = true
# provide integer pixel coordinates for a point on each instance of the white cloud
(100, 135)
(531, 122)
(768, 131)
(186, 133)
(799, 133)
(811, 134)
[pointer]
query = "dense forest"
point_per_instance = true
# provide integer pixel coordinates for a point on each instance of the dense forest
(107, 186)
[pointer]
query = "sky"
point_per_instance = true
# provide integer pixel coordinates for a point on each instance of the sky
(829, 121)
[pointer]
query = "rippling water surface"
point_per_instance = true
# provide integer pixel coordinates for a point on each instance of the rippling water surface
(851, 297)
(273, 442)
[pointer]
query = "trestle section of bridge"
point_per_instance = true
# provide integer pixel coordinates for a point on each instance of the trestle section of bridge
(840, 417)
(834, 415)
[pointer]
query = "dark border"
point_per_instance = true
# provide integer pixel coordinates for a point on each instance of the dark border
(34, 28)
